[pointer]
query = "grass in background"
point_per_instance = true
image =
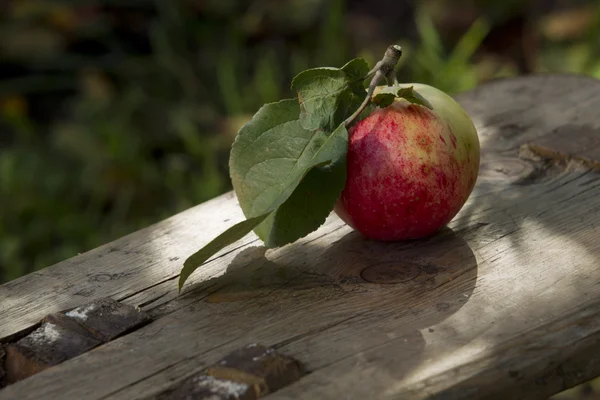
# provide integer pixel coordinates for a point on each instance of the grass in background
(120, 114)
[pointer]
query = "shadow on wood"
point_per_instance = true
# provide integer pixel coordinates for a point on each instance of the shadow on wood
(354, 295)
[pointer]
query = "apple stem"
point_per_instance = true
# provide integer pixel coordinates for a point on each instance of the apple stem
(383, 69)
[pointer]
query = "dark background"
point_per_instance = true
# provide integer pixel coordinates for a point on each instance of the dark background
(115, 114)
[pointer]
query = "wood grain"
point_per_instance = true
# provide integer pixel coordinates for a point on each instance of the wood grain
(120, 269)
(505, 303)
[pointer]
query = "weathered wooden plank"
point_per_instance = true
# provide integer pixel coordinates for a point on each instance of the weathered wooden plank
(120, 269)
(516, 274)
(367, 326)
(289, 295)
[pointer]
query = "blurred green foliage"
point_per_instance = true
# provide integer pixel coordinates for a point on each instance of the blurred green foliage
(116, 114)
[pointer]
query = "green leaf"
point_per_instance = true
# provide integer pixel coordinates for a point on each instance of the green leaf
(272, 153)
(288, 164)
(296, 184)
(413, 96)
(356, 69)
(384, 99)
(312, 200)
(233, 234)
(328, 96)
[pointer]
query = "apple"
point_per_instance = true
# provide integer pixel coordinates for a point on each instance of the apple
(410, 169)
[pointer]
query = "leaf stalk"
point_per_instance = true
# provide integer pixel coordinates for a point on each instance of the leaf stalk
(383, 69)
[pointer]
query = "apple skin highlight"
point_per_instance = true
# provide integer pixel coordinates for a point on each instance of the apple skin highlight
(409, 169)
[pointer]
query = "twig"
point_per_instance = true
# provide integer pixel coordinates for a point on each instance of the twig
(383, 69)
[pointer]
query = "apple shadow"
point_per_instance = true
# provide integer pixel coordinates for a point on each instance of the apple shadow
(348, 300)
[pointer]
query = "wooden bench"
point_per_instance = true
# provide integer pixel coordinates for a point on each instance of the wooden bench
(504, 303)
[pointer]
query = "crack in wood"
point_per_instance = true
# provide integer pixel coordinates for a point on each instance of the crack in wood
(559, 158)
